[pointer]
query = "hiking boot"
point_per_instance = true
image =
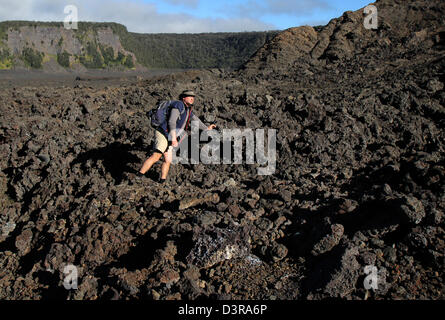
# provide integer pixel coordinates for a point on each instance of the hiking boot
(137, 176)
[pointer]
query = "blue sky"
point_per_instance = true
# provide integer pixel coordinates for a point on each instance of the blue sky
(186, 16)
(281, 14)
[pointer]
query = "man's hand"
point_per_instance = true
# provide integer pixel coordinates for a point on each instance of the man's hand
(211, 127)
(175, 143)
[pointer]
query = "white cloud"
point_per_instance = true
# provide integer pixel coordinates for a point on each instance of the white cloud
(300, 8)
(189, 25)
(16, 10)
(136, 15)
(189, 3)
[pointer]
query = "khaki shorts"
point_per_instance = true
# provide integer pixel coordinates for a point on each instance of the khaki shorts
(161, 143)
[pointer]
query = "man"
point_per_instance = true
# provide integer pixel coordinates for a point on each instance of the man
(179, 119)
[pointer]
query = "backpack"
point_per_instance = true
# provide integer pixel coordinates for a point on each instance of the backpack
(158, 115)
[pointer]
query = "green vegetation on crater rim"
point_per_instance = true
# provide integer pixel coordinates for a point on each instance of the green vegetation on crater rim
(204, 50)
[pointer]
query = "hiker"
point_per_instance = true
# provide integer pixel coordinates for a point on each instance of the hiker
(177, 121)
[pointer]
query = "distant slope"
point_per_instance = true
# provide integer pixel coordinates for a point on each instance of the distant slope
(204, 50)
(404, 28)
(49, 46)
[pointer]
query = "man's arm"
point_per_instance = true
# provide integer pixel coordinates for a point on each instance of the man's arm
(202, 126)
(174, 116)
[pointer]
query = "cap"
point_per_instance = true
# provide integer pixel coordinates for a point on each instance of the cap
(187, 93)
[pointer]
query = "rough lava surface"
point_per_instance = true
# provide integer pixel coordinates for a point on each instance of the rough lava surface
(359, 178)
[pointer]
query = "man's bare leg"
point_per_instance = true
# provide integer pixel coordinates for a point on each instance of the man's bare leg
(166, 165)
(155, 157)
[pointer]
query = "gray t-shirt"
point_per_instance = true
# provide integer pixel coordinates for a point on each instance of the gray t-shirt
(174, 116)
